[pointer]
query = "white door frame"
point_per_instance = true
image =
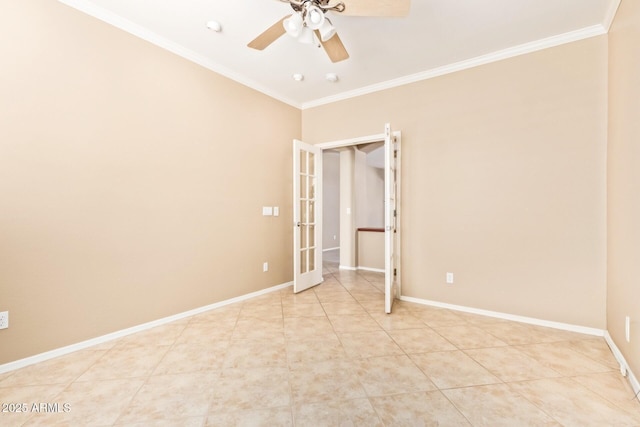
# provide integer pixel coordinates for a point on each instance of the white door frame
(397, 136)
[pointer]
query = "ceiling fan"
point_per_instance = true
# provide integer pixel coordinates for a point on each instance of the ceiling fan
(309, 19)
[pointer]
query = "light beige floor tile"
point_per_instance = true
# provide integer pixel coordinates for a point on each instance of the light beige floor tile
(613, 387)
(303, 310)
(509, 364)
(61, 370)
(205, 333)
(332, 308)
(391, 375)
(423, 340)
(332, 380)
(368, 296)
(23, 398)
(353, 323)
(373, 307)
(439, 317)
(329, 287)
(90, 403)
(307, 327)
(369, 344)
(571, 405)
(516, 333)
(182, 422)
(562, 358)
(554, 335)
(314, 349)
(6, 375)
(360, 286)
(469, 336)
(196, 357)
(171, 397)
(342, 296)
(430, 408)
(159, 336)
(255, 354)
(497, 405)
(252, 418)
(254, 388)
(255, 328)
(126, 362)
(357, 412)
(450, 369)
(395, 321)
(305, 297)
(266, 311)
(597, 349)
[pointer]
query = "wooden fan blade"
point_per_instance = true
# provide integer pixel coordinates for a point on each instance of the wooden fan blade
(334, 48)
(269, 36)
(376, 7)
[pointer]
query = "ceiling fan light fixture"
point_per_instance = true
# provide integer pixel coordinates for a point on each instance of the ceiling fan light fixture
(327, 30)
(293, 25)
(314, 17)
(306, 35)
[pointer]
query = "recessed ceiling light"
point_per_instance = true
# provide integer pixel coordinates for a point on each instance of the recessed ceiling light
(298, 77)
(331, 77)
(214, 26)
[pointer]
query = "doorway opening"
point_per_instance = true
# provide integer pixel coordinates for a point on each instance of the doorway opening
(367, 209)
(384, 215)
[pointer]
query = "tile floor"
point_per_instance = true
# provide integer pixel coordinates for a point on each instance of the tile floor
(330, 356)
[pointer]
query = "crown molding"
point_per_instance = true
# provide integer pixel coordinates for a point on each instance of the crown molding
(611, 14)
(572, 36)
(153, 38)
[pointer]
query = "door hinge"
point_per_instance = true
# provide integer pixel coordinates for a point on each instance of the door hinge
(395, 271)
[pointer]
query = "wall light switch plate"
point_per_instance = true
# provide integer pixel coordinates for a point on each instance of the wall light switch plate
(265, 267)
(449, 278)
(267, 211)
(4, 320)
(276, 211)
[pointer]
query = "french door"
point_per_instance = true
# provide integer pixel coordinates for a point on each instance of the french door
(390, 217)
(307, 216)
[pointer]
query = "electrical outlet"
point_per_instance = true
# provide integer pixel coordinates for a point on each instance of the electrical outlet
(4, 319)
(265, 267)
(449, 278)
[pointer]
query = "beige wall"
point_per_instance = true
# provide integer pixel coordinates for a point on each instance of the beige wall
(503, 181)
(330, 199)
(623, 296)
(130, 185)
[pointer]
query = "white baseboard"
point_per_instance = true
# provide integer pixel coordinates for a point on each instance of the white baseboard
(344, 267)
(21, 363)
(331, 249)
(375, 270)
(522, 319)
(624, 366)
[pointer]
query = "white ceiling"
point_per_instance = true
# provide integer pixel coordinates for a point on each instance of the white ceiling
(437, 36)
